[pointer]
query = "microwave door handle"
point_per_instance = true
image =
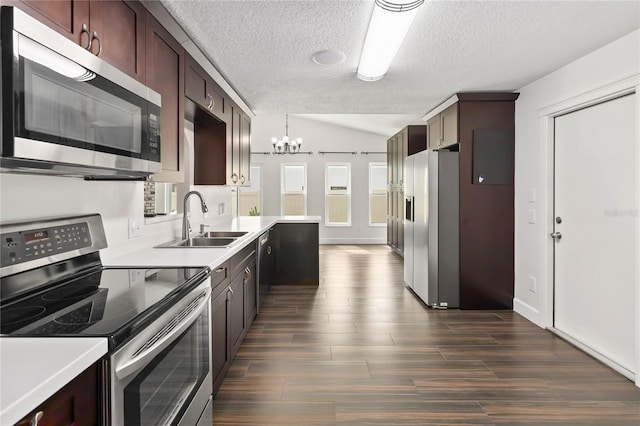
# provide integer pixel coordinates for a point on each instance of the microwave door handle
(138, 362)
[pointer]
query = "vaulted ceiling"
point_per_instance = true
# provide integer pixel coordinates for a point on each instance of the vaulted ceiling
(264, 50)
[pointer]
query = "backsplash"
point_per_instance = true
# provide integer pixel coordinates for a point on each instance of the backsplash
(26, 197)
(149, 199)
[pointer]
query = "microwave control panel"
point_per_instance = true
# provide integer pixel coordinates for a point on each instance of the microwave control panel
(154, 137)
(24, 246)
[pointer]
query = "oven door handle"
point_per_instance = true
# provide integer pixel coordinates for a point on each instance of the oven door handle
(163, 338)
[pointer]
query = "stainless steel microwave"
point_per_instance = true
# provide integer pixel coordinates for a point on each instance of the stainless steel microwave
(66, 111)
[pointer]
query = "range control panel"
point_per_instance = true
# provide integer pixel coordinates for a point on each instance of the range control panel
(23, 246)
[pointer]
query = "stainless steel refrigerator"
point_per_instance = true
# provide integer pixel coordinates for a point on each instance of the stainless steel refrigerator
(431, 267)
(415, 224)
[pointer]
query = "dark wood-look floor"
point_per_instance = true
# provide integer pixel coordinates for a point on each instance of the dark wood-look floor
(361, 349)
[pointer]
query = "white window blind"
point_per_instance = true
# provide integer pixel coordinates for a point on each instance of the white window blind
(294, 189)
(377, 194)
(338, 194)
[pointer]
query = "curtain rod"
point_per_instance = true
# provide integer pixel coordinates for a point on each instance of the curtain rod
(319, 152)
(337, 152)
(281, 153)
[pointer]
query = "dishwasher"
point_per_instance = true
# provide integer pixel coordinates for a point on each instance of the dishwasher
(265, 267)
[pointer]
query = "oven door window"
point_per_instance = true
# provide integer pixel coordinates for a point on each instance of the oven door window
(63, 103)
(160, 394)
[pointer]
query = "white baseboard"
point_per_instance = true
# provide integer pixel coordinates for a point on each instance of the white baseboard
(527, 311)
(353, 240)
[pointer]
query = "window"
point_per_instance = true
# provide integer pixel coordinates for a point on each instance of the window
(338, 194)
(294, 189)
(377, 194)
(250, 196)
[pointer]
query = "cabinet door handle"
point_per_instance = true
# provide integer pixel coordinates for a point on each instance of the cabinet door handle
(230, 294)
(85, 30)
(234, 178)
(94, 36)
(242, 179)
(268, 249)
(211, 101)
(217, 271)
(36, 418)
(247, 274)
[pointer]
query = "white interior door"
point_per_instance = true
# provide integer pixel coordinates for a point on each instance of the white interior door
(596, 213)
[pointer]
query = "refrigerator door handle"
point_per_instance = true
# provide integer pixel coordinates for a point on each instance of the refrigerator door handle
(413, 209)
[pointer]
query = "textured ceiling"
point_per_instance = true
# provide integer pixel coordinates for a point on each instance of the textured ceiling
(264, 49)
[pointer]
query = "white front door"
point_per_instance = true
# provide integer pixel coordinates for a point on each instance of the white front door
(595, 222)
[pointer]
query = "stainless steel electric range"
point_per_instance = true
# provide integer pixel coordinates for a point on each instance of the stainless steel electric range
(157, 320)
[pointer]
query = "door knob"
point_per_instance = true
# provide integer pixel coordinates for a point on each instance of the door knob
(556, 236)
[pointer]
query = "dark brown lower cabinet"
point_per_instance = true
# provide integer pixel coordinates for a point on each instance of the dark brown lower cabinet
(237, 320)
(251, 291)
(233, 308)
(297, 249)
(76, 404)
(220, 353)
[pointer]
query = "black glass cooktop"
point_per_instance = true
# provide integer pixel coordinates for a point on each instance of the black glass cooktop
(110, 302)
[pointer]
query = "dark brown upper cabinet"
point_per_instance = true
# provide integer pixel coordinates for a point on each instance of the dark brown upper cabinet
(165, 75)
(201, 89)
(114, 30)
(239, 149)
(443, 128)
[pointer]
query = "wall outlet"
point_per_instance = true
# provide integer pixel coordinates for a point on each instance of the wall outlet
(532, 284)
(532, 195)
(220, 208)
(135, 230)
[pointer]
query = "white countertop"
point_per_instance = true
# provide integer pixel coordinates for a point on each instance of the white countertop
(208, 256)
(34, 368)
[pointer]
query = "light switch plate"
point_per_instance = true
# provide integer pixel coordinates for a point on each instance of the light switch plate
(135, 230)
(532, 195)
(220, 208)
(531, 216)
(532, 284)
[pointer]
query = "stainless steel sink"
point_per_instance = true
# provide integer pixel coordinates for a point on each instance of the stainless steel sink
(199, 242)
(226, 234)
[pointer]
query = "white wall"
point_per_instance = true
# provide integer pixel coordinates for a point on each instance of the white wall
(319, 136)
(31, 197)
(611, 63)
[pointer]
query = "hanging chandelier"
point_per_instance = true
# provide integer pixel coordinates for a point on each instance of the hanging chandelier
(285, 145)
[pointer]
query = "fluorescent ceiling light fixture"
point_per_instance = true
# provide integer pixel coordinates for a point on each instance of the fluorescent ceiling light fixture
(389, 24)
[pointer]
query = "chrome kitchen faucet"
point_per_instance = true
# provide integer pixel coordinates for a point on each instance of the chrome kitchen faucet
(186, 227)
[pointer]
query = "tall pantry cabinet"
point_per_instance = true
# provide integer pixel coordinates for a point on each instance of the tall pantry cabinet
(408, 141)
(481, 127)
